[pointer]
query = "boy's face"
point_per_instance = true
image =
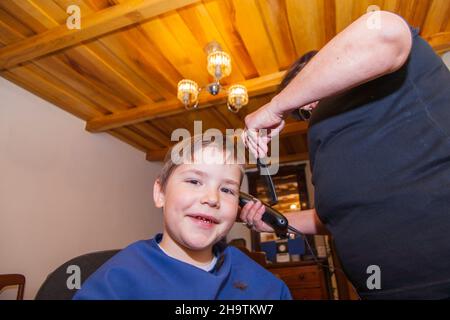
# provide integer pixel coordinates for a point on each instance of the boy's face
(200, 200)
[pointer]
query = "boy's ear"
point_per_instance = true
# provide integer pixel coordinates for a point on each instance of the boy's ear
(158, 195)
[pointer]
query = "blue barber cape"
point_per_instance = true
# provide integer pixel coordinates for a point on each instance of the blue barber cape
(144, 271)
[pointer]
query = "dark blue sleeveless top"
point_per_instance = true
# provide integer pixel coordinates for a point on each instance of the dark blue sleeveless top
(380, 156)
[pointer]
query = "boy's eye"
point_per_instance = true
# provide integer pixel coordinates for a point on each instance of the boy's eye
(193, 181)
(226, 190)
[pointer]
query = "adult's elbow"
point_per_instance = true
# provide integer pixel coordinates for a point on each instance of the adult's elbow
(395, 39)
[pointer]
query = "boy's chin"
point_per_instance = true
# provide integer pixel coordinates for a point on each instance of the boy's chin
(200, 242)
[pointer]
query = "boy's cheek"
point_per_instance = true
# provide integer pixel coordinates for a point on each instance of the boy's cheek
(226, 227)
(231, 214)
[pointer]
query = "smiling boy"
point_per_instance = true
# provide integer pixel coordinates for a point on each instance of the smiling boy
(199, 198)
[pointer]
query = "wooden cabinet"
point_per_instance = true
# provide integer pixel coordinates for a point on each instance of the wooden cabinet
(305, 280)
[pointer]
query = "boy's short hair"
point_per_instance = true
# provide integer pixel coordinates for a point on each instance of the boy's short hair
(185, 149)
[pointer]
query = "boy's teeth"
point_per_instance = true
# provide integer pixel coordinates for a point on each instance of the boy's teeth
(204, 219)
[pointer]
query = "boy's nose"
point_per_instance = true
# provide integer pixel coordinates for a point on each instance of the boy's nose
(211, 198)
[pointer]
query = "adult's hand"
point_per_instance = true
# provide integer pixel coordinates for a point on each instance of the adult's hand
(260, 127)
(251, 215)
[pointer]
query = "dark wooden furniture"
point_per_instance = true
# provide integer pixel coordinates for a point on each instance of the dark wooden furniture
(305, 279)
(7, 280)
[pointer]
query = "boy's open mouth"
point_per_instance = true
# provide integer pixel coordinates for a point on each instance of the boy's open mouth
(204, 218)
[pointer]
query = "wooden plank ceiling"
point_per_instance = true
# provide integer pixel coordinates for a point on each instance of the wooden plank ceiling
(119, 72)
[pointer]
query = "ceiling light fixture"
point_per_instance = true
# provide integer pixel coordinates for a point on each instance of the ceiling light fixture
(218, 66)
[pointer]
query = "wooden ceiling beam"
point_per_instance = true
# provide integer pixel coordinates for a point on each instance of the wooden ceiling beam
(92, 26)
(290, 129)
(257, 86)
(156, 155)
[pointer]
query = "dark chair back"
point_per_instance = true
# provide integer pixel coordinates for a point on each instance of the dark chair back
(55, 286)
(7, 280)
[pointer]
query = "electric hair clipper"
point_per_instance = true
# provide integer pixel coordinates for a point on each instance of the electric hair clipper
(271, 216)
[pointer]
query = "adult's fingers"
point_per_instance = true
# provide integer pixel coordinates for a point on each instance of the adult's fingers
(255, 218)
(245, 211)
(245, 138)
(251, 135)
(253, 212)
(252, 148)
(259, 224)
(276, 131)
(258, 150)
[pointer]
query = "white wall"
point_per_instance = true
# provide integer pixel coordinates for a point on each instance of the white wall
(64, 191)
(446, 58)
